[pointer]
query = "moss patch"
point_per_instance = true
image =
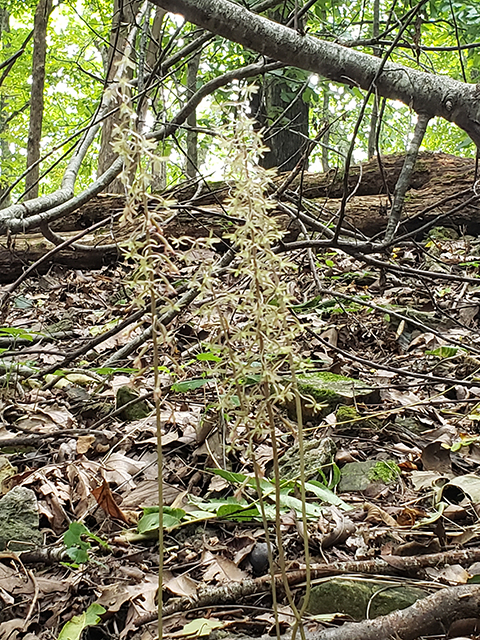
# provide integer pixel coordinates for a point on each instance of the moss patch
(329, 390)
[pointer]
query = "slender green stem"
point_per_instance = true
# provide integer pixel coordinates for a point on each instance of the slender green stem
(157, 399)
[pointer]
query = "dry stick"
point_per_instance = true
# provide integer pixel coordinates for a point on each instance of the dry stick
(165, 319)
(81, 351)
(14, 217)
(413, 321)
(346, 195)
(358, 252)
(57, 239)
(387, 566)
(415, 273)
(436, 220)
(429, 616)
(371, 246)
(403, 182)
(34, 438)
(271, 565)
(386, 367)
(303, 495)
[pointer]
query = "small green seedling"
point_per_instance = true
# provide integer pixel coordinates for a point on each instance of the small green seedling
(77, 541)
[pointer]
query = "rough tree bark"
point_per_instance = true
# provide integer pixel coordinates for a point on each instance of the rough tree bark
(191, 165)
(441, 184)
(281, 110)
(124, 13)
(42, 14)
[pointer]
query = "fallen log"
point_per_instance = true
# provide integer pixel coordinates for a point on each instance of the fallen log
(442, 188)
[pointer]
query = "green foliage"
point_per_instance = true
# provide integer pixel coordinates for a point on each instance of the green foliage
(71, 96)
(77, 541)
(384, 471)
(74, 628)
(190, 385)
(246, 508)
(77, 38)
(17, 333)
(172, 518)
(207, 357)
(200, 627)
(464, 439)
(444, 352)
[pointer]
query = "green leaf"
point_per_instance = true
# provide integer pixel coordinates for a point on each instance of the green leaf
(72, 537)
(78, 548)
(172, 517)
(190, 385)
(443, 352)
(238, 512)
(148, 522)
(75, 627)
(200, 627)
(208, 357)
(337, 475)
(309, 304)
(151, 518)
(16, 333)
(108, 371)
(267, 486)
(312, 510)
(78, 555)
(321, 491)
(229, 476)
(23, 303)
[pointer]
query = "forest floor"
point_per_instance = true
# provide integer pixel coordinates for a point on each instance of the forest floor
(94, 475)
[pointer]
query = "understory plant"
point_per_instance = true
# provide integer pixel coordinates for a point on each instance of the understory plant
(256, 364)
(150, 252)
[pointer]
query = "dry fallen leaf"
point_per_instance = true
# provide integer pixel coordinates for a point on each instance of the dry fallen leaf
(376, 515)
(84, 443)
(224, 570)
(104, 497)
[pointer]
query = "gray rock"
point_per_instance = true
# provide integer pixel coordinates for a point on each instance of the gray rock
(357, 598)
(19, 521)
(359, 476)
(328, 391)
(316, 454)
(258, 557)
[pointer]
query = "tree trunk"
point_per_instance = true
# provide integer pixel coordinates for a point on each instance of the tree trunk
(159, 178)
(326, 136)
(437, 178)
(124, 12)
(191, 167)
(285, 115)
(42, 14)
(372, 134)
(5, 153)
(281, 110)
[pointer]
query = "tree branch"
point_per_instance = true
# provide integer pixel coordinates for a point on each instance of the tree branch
(441, 96)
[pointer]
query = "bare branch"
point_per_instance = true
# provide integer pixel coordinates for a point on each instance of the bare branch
(424, 92)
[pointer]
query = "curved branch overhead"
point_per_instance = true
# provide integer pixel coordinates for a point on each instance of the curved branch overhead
(425, 93)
